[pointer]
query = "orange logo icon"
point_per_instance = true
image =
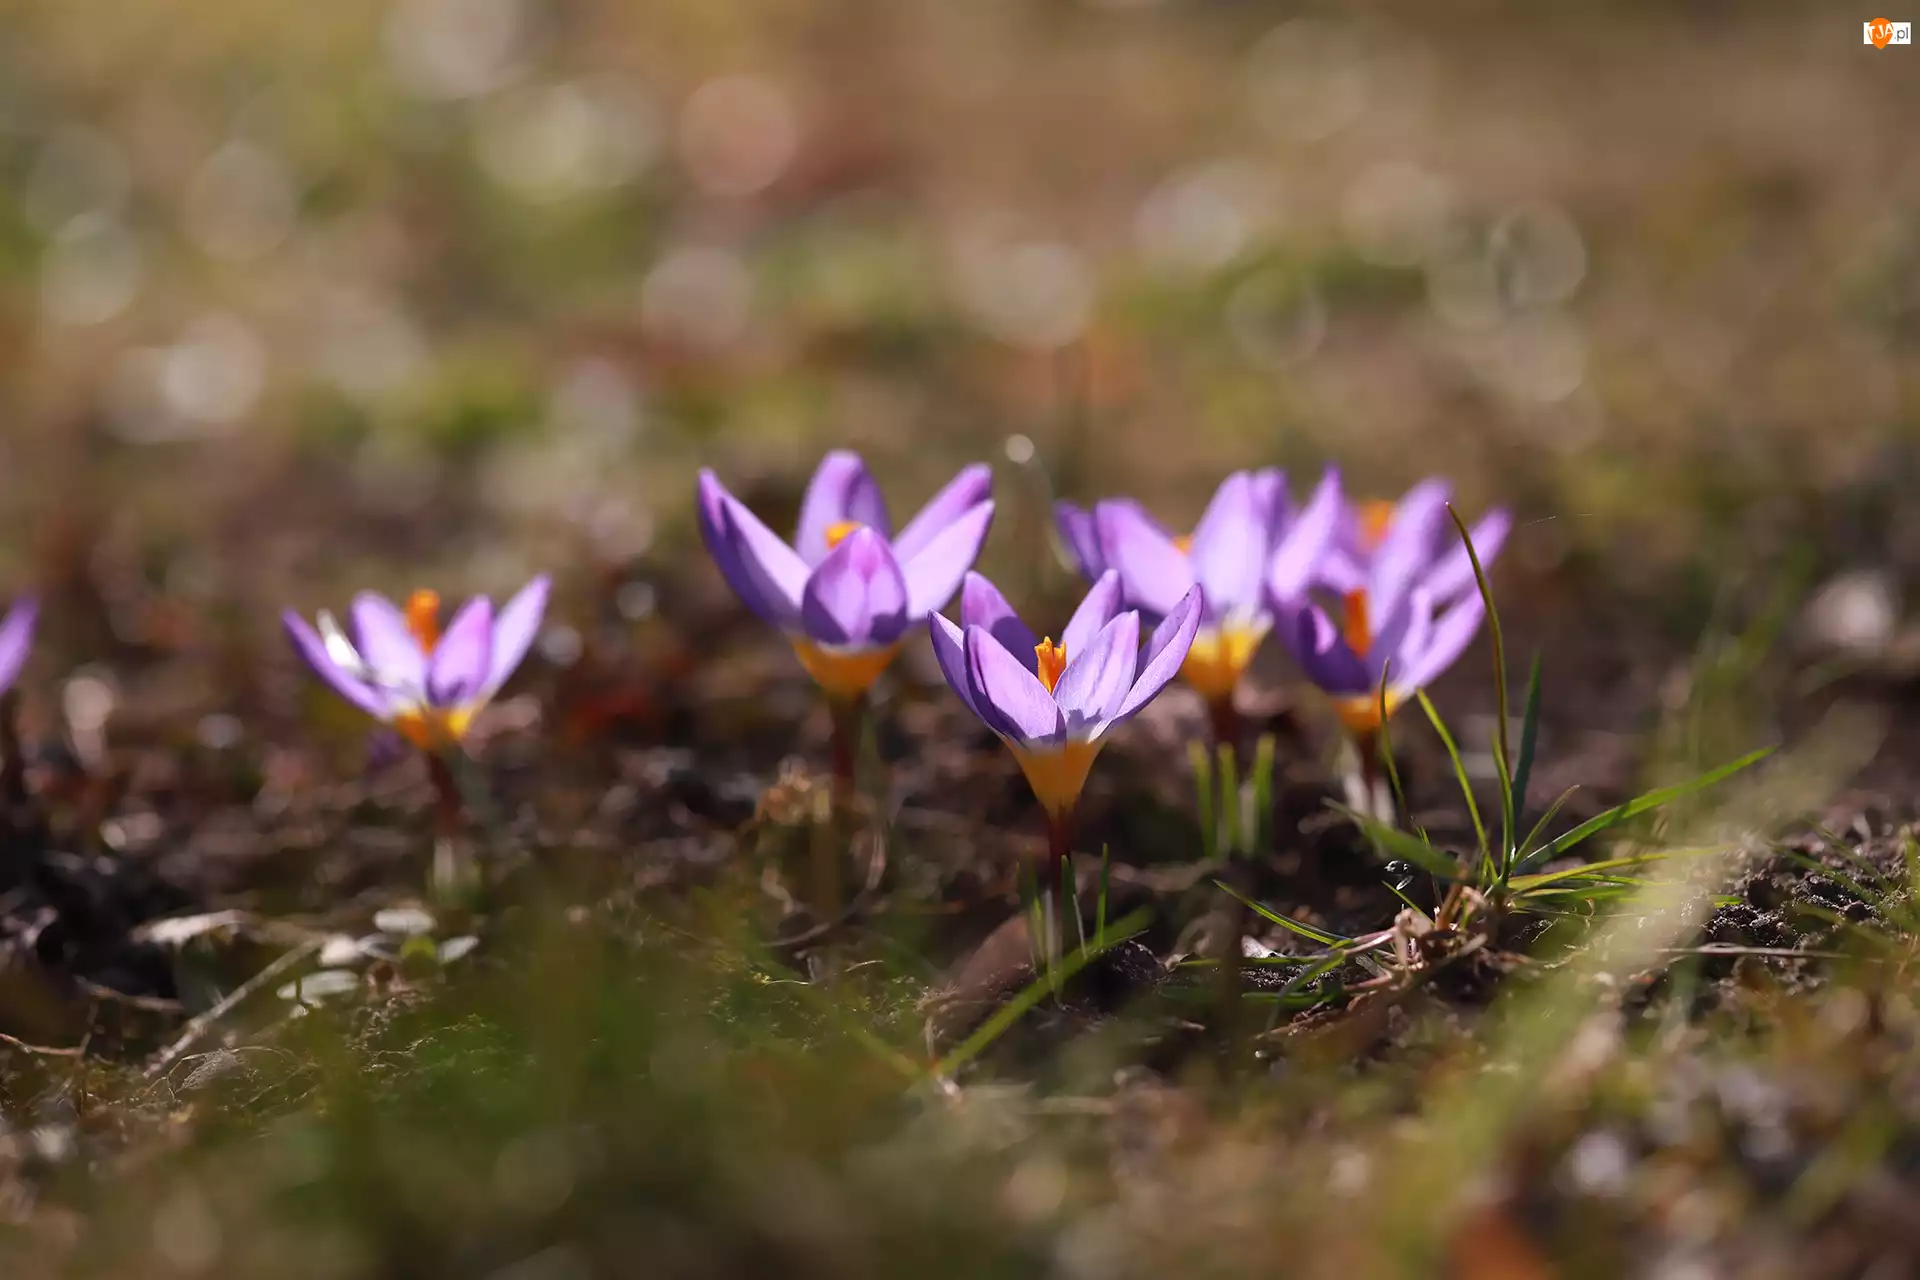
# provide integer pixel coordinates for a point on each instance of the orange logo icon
(1880, 31)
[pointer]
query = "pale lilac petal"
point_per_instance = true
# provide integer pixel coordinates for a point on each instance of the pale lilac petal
(1080, 538)
(1452, 632)
(982, 605)
(1154, 574)
(308, 644)
(1228, 555)
(1099, 677)
(1321, 651)
(857, 597)
(963, 493)
(1165, 653)
(1270, 492)
(514, 631)
(1413, 540)
(1300, 558)
(393, 657)
(950, 651)
(1452, 573)
(1403, 632)
(463, 657)
(1098, 607)
(16, 639)
(1009, 697)
(1339, 570)
(842, 489)
(933, 573)
(765, 572)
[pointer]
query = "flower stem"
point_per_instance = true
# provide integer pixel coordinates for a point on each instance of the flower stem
(454, 869)
(1225, 719)
(848, 717)
(13, 757)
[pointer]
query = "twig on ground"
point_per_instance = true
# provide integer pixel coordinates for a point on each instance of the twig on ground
(201, 1024)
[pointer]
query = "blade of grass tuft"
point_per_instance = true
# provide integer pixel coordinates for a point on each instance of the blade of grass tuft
(1397, 843)
(1459, 771)
(1650, 800)
(1018, 1007)
(1523, 768)
(1229, 801)
(1202, 763)
(1263, 763)
(1288, 923)
(1502, 748)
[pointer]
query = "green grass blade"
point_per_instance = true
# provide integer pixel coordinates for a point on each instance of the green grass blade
(1502, 749)
(1523, 768)
(1306, 931)
(1546, 820)
(1386, 756)
(1650, 801)
(1202, 762)
(1263, 763)
(1229, 800)
(1459, 770)
(1018, 1007)
(1417, 850)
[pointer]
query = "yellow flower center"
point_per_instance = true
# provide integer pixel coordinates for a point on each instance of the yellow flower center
(1052, 660)
(1359, 627)
(1185, 543)
(423, 619)
(840, 530)
(1375, 519)
(1360, 714)
(1219, 657)
(430, 728)
(844, 675)
(1057, 775)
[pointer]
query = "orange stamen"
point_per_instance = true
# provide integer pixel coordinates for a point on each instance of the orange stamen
(423, 619)
(1185, 543)
(1375, 519)
(1052, 660)
(839, 531)
(1359, 629)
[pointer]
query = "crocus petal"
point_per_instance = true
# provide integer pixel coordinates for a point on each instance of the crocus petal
(308, 644)
(1270, 492)
(1099, 677)
(463, 657)
(933, 573)
(1100, 606)
(1009, 697)
(1452, 573)
(963, 493)
(857, 597)
(1338, 570)
(393, 656)
(1321, 652)
(1228, 555)
(1403, 631)
(1165, 652)
(1411, 542)
(765, 572)
(1154, 574)
(1452, 632)
(16, 638)
(950, 651)
(1081, 539)
(982, 605)
(1300, 557)
(842, 489)
(514, 631)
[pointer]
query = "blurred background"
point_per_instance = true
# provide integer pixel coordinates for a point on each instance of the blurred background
(295, 299)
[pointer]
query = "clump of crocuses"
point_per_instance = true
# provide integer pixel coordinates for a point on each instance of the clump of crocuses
(1249, 548)
(846, 590)
(1054, 703)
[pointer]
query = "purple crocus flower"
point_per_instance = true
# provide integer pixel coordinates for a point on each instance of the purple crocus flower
(1392, 630)
(16, 639)
(1397, 542)
(400, 668)
(1052, 704)
(1248, 538)
(846, 590)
